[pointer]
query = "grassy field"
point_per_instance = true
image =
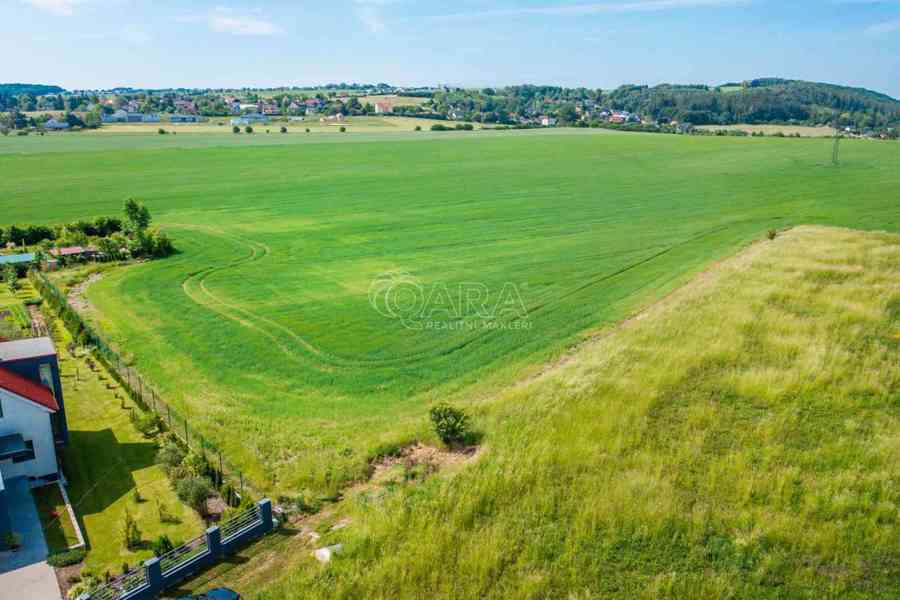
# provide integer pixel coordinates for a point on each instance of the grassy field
(741, 439)
(803, 130)
(222, 125)
(262, 328)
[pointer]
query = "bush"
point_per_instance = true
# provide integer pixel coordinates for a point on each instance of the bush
(161, 545)
(161, 131)
(451, 424)
(772, 234)
(248, 129)
(235, 129)
(170, 455)
(194, 491)
(131, 535)
(307, 130)
(283, 129)
(67, 558)
(86, 585)
(439, 127)
(343, 129)
(164, 515)
(195, 464)
(149, 424)
(418, 128)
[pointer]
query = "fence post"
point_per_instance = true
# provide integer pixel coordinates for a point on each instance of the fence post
(265, 514)
(153, 568)
(214, 542)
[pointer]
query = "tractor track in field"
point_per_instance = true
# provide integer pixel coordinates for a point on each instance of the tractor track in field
(195, 288)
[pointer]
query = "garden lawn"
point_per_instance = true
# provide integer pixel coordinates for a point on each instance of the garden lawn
(105, 462)
(261, 330)
(58, 529)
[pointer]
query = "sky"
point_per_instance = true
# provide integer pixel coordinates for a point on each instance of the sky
(96, 44)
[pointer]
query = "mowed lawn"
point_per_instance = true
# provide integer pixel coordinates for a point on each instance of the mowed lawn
(262, 328)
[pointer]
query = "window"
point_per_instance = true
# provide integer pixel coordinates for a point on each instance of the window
(25, 456)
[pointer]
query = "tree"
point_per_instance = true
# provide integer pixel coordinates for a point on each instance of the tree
(131, 534)
(248, 129)
(283, 129)
(235, 129)
(136, 215)
(10, 277)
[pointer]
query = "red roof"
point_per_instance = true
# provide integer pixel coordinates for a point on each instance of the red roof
(68, 251)
(12, 382)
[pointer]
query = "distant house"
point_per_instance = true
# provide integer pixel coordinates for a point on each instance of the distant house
(120, 116)
(618, 118)
(548, 121)
(32, 417)
(73, 252)
(150, 118)
(383, 108)
(55, 125)
(250, 119)
(184, 119)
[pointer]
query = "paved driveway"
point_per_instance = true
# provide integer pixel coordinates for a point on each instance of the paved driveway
(25, 574)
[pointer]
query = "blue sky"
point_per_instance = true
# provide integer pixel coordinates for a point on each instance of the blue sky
(104, 43)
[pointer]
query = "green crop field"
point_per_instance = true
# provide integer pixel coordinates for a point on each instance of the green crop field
(262, 327)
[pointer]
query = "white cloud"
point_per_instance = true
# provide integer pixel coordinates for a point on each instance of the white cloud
(224, 20)
(884, 28)
(62, 8)
(635, 6)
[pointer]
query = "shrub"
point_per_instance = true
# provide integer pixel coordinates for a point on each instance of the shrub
(170, 455)
(451, 424)
(229, 494)
(86, 585)
(248, 129)
(307, 130)
(67, 558)
(195, 464)
(283, 129)
(161, 131)
(161, 545)
(235, 129)
(147, 423)
(439, 127)
(164, 515)
(343, 129)
(194, 491)
(131, 534)
(418, 128)
(772, 234)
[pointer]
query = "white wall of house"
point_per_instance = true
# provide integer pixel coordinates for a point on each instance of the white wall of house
(32, 422)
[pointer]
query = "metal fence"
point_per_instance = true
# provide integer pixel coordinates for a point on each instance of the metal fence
(142, 392)
(171, 568)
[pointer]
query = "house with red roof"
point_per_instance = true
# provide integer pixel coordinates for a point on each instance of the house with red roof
(32, 415)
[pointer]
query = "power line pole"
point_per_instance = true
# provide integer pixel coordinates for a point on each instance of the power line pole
(836, 148)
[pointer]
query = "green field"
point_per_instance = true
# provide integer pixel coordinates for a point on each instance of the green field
(740, 440)
(262, 329)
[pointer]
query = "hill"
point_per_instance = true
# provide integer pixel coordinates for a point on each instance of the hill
(738, 440)
(758, 101)
(35, 89)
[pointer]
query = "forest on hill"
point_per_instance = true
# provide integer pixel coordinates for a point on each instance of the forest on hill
(757, 101)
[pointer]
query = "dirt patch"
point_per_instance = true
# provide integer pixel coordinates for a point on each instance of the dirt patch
(66, 577)
(76, 293)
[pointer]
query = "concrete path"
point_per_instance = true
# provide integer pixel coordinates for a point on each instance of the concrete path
(34, 582)
(25, 575)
